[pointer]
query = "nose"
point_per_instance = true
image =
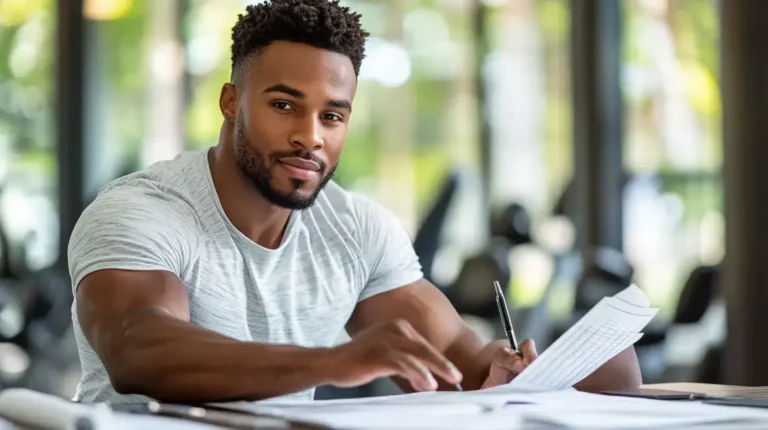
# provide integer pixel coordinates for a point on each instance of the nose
(308, 134)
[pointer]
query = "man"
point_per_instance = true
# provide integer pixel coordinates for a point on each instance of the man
(227, 274)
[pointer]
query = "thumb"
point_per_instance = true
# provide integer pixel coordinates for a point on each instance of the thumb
(528, 351)
(509, 360)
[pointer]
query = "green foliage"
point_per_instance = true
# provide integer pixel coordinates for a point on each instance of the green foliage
(26, 89)
(125, 46)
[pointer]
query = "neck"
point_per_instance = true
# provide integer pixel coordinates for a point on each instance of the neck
(248, 210)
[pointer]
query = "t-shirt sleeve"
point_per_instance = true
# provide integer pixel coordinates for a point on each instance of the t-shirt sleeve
(387, 249)
(132, 229)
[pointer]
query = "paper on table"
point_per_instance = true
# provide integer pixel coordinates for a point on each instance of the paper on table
(583, 410)
(609, 420)
(606, 330)
(371, 415)
(138, 422)
(568, 408)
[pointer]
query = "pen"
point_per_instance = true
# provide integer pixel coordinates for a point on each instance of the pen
(501, 302)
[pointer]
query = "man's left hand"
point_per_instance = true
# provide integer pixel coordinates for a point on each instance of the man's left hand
(507, 364)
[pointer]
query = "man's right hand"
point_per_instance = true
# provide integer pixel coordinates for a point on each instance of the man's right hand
(390, 349)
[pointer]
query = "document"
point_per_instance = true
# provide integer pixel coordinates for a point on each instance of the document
(612, 326)
(594, 411)
(511, 410)
(542, 394)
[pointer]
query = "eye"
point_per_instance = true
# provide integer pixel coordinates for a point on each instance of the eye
(282, 106)
(333, 117)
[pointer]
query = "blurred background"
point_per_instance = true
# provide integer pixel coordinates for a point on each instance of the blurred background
(565, 148)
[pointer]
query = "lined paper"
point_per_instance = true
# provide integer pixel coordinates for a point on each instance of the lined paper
(612, 326)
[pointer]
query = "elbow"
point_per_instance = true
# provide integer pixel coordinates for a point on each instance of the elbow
(622, 373)
(129, 377)
(629, 374)
(627, 379)
(124, 385)
(129, 368)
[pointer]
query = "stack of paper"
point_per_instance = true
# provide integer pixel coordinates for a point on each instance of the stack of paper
(540, 395)
(504, 408)
(584, 410)
(609, 328)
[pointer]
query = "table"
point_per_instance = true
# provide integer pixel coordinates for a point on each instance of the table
(713, 389)
(710, 389)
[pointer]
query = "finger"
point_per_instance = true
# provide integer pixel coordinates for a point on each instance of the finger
(417, 346)
(416, 372)
(528, 351)
(508, 360)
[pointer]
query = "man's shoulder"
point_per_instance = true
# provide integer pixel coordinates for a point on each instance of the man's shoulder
(180, 172)
(171, 187)
(176, 180)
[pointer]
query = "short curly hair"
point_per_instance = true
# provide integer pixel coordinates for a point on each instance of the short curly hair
(320, 23)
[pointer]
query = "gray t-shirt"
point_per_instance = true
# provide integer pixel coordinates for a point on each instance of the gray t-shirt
(342, 250)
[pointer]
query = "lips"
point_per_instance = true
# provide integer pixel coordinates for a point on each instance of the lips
(300, 168)
(301, 163)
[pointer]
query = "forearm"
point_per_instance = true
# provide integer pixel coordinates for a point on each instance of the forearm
(473, 357)
(174, 361)
(620, 373)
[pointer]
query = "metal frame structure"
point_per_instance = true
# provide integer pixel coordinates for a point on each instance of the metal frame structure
(597, 203)
(745, 271)
(481, 49)
(70, 81)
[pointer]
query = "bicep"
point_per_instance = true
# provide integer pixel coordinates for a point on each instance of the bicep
(108, 299)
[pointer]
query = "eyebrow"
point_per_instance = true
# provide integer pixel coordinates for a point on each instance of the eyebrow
(341, 104)
(285, 89)
(293, 92)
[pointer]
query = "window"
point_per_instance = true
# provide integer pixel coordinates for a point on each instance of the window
(529, 107)
(135, 85)
(28, 214)
(673, 148)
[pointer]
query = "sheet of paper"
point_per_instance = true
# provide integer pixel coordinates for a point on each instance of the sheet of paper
(609, 420)
(567, 408)
(634, 296)
(583, 410)
(137, 422)
(7, 425)
(368, 415)
(610, 327)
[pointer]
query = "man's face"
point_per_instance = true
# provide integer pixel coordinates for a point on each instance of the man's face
(292, 106)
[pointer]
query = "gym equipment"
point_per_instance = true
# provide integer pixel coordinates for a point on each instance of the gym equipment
(472, 292)
(427, 241)
(697, 294)
(35, 318)
(696, 297)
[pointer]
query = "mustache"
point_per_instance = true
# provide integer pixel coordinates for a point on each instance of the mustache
(306, 155)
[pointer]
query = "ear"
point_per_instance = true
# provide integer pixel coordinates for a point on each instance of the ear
(228, 102)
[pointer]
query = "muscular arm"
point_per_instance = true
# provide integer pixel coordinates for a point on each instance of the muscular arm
(138, 324)
(432, 315)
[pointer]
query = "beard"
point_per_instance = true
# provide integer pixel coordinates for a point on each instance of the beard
(255, 166)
